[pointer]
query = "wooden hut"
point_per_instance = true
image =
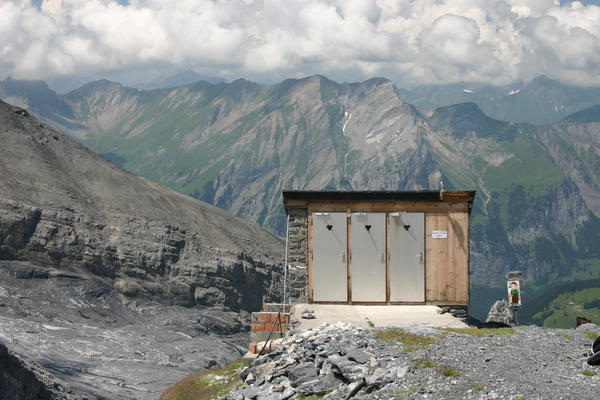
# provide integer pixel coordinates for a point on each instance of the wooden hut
(379, 247)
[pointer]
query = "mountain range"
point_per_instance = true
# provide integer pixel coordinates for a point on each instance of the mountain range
(539, 101)
(237, 145)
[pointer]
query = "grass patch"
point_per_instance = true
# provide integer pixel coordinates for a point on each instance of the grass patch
(479, 387)
(591, 335)
(449, 371)
(424, 363)
(370, 323)
(565, 335)
(208, 384)
(410, 341)
(587, 372)
(407, 393)
(481, 331)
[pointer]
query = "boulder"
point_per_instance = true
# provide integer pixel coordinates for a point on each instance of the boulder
(318, 387)
(304, 372)
(501, 314)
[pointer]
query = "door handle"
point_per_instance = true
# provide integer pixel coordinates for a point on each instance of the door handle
(343, 257)
(382, 258)
(420, 257)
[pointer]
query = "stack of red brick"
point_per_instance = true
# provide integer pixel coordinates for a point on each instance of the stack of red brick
(270, 321)
(274, 318)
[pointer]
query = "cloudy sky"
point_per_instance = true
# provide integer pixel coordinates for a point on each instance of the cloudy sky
(409, 41)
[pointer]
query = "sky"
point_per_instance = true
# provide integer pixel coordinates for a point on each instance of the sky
(412, 42)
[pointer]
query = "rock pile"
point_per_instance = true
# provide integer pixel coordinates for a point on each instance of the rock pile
(337, 360)
(501, 314)
(341, 362)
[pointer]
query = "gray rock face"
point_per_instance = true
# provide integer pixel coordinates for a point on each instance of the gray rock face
(21, 380)
(63, 206)
(501, 313)
(112, 283)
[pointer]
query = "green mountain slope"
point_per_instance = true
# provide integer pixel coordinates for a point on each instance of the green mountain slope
(238, 145)
(539, 101)
(591, 114)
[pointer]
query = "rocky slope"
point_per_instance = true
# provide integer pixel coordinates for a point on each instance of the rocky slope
(237, 145)
(341, 362)
(66, 207)
(79, 331)
(95, 259)
(22, 379)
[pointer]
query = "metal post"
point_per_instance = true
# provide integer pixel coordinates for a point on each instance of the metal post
(285, 265)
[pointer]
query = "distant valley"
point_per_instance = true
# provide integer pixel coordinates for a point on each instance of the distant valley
(237, 145)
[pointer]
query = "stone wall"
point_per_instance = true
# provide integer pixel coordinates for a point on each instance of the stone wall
(297, 254)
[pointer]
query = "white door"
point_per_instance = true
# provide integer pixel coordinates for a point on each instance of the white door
(368, 257)
(329, 266)
(407, 264)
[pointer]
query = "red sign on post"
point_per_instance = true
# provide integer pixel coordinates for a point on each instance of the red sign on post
(514, 293)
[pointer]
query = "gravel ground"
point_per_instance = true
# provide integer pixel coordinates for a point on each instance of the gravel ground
(342, 362)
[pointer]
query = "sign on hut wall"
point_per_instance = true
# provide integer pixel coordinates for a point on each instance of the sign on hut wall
(439, 234)
(514, 293)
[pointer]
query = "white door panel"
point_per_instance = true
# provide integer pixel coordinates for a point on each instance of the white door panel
(368, 257)
(329, 267)
(407, 252)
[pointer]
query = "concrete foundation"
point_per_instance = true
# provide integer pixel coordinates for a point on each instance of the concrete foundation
(376, 316)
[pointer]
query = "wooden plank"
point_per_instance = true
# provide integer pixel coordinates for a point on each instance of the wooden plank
(429, 267)
(459, 223)
(451, 278)
(387, 258)
(349, 254)
(436, 253)
(417, 206)
(310, 256)
(458, 196)
(295, 203)
(468, 283)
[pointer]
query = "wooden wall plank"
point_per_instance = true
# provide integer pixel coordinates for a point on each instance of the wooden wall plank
(447, 268)
(310, 256)
(436, 253)
(459, 225)
(450, 280)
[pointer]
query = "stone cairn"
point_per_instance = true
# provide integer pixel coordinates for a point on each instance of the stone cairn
(501, 314)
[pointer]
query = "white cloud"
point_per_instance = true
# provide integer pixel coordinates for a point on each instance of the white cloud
(410, 41)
